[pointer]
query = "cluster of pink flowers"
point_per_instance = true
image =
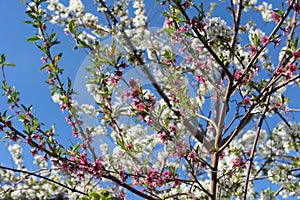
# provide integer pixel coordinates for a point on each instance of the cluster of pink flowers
(142, 103)
(198, 24)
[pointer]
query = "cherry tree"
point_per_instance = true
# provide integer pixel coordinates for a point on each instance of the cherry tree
(199, 108)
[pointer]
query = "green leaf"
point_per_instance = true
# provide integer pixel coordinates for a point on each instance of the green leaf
(52, 36)
(44, 67)
(28, 22)
(10, 64)
(76, 147)
(121, 145)
(33, 38)
(2, 58)
(72, 27)
(69, 85)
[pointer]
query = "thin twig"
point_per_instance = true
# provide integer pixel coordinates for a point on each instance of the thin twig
(254, 147)
(43, 177)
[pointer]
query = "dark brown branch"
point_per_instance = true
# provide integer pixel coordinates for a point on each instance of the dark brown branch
(128, 187)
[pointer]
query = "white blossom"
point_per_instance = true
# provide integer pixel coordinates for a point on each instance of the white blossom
(266, 11)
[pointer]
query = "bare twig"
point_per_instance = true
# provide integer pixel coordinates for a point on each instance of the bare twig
(266, 108)
(43, 177)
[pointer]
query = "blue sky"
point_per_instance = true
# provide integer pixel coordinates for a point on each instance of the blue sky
(26, 76)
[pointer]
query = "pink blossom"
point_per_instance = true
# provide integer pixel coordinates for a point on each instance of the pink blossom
(177, 182)
(119, 73)
(174, 98)
(73, 158)
(244, 80)
(168, 21)
(296, 54)
(149, 122)
(275, 17)
(286, 109)
(221, 157)
(113, 80)
(246, 101)
(278, 104)
(135, 181)
(83, 146)
(181, 147)
(264, 40)
(187, 4)
(44, 27)
(190, 59)
(133, 84)
(122, 196)
(163, 136)
(183, 29)
(199, 24)
(280, 70)
(160, 182)
(167, 175)
(48, 70)
(252, 50)
(141, 107)
(134, 94)
(173, 128)
(33, 151)
(50, 133)
(28, 140)
(44, 157)
(51, 81)
(192, 156)
(237, 75)
(210, 128)
(237, 162)
(62, 108)
(123, 65)
(292, 68)
(286, 30)
(44, 59)
(277, 42)
(75, 134)
(11, 107)
(201, 79)
(152, 101)
(122, 175)
(35, 136)
(198, 63)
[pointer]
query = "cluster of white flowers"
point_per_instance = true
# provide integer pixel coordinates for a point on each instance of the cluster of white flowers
(280, 142)
(255, 32)
(89, 109)
(76, 6)
(57, 98)
(120, 9)
(142, 143)
(40, 162)
(87, 38)
(90, 20)
(16, 152)
(247, 4)
(266, 11)
(217, 27)
(140, 18)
